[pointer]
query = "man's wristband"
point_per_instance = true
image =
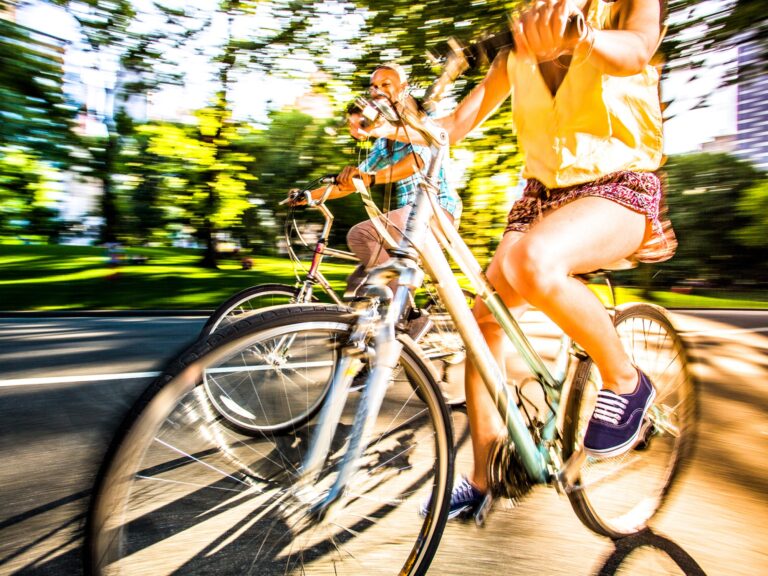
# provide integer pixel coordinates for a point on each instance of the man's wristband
(371, 178)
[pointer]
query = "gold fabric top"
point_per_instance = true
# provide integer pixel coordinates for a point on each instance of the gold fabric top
(594, 125)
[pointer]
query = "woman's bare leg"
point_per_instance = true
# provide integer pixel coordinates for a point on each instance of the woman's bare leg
(536, 267)
(580, 237)
(484, 421)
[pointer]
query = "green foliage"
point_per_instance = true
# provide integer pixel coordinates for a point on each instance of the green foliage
(188, 173)
(491, 183)
(753, 205)
(697, 29)
(27, 194)
(710, 205)
(33, 112)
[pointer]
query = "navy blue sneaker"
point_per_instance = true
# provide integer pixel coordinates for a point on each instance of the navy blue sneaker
(466, 500)
(617, 420)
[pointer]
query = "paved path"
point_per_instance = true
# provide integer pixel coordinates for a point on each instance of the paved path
(65, 384)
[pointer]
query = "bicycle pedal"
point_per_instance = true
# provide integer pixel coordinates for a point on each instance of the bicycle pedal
(481, 514)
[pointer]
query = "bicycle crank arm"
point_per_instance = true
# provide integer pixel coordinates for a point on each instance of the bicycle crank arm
(569, 473)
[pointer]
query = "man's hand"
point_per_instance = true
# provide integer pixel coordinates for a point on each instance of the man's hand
(344, 179)
(296, 197)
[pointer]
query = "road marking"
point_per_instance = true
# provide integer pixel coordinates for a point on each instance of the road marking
(723, 332)
(72, 379)
(134, 375)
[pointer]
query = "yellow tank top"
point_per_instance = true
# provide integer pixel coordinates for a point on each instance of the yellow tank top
(595, 124)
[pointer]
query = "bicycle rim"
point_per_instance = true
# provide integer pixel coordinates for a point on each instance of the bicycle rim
(618, 496)
(183, 494)
(249, 405)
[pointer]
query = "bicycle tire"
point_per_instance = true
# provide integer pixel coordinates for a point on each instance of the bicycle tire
(246, 302)
(618, 497)
(180, 493)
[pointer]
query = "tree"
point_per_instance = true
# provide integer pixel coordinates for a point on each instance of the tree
(710, 205)
(133, 57)
(753, 205)
(35, 129)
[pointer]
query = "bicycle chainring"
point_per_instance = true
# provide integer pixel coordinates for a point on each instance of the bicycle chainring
(507, 477)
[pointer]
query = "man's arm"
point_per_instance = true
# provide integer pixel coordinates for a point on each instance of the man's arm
(404, 168)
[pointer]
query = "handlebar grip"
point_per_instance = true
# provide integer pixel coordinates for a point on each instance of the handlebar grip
(459, 58)
(485, 50)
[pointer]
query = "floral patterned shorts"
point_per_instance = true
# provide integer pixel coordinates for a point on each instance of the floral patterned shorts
(638, 191)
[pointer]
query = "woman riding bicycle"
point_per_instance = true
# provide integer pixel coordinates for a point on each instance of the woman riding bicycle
(587, 115)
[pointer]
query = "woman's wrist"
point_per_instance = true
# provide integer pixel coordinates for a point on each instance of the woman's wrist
(586, 43)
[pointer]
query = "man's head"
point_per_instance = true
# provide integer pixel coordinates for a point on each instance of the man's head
(390, 80)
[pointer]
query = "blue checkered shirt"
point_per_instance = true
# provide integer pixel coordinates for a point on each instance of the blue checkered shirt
(386, 153)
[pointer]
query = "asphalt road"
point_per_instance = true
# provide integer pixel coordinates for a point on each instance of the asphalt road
(65, 383)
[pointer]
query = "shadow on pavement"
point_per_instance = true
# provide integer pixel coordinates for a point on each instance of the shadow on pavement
(648, 539)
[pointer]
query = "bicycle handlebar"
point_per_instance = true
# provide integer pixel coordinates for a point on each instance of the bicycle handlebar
(458, 58)
(295, 194)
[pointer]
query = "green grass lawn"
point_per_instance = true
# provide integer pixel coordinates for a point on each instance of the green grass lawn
(50, 277)
(41, 277)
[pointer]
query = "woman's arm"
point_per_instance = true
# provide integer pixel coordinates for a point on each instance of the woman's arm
(622, 51)
(483, 101)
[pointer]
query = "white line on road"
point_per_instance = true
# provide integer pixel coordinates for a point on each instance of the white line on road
(133, 375)
(723, 332)
(71, 379)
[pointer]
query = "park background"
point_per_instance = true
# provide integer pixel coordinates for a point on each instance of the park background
(145, 146)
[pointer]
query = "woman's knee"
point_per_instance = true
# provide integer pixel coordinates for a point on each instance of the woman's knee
(485, 320)
(532, 268)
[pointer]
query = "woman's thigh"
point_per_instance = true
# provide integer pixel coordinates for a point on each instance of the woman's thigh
(580, 237)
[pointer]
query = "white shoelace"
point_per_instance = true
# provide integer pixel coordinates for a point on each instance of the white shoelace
(610, 407)
(463, 491)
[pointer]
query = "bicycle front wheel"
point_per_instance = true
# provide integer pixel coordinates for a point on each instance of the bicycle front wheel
(248, 301)
(245, 406)
(180, 493)
(618, 496)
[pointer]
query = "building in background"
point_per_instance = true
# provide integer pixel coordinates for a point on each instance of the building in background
(752, 106)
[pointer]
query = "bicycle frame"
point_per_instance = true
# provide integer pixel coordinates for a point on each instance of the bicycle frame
(540, 462)
(314, 275)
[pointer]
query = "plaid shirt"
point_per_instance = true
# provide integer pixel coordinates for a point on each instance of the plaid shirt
(386, 153)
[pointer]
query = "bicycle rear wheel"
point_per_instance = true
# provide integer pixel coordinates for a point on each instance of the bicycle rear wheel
(618, 496)
(180, 493)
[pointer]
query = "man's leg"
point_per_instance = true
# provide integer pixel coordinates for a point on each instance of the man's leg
(364, 241)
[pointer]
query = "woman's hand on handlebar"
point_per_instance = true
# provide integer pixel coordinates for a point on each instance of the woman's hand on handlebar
(543, 32)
